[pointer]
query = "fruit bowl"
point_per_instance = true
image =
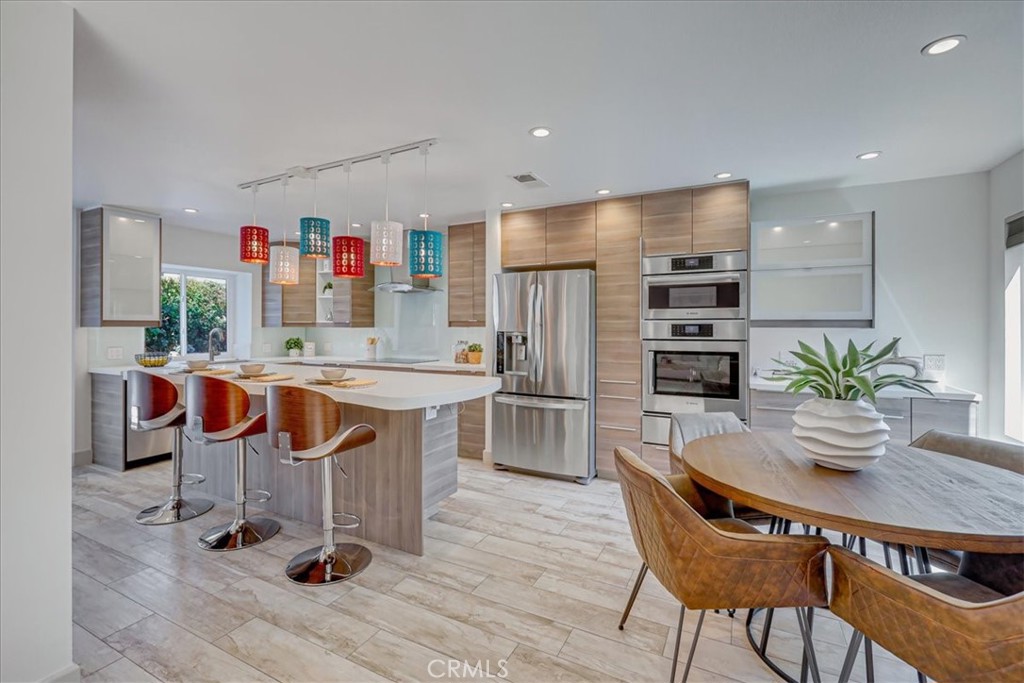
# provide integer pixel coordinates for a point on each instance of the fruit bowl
(152, 359)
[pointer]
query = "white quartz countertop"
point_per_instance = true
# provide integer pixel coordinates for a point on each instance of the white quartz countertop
(941, 391)
(429, 366)
(393, 391)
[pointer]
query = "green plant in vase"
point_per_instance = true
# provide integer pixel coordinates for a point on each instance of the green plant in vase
(839, 428)
(293, 345)
(475, 353)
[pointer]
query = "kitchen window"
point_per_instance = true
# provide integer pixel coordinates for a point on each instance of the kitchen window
(192, 303)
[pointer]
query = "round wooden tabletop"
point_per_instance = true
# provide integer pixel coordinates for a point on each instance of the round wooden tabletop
(909, 496)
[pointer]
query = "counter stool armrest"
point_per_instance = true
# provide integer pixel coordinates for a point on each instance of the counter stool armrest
(166, 420)
(343, 440)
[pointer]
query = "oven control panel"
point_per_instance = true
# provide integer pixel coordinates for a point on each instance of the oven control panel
(685, 263)
(685, 330)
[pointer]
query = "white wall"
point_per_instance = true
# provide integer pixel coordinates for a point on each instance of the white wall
(931, 260)
(36, 54)
(1006, 197)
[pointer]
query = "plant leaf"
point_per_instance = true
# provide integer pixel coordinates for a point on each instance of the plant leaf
(853, 355)
(862, 383)
(832, 355)
(810, 351)
(812, 361)
(883, 353)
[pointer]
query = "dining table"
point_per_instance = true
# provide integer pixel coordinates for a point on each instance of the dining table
(910, 496)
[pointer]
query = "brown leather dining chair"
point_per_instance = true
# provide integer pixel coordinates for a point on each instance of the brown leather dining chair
(303, 426)
(952, 629)
(718, 564)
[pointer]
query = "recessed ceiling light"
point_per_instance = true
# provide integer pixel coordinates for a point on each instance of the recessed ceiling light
(868, 156)
(540, 132)
(139, 220)
(723, 175)
(820, 220)
(507, 205)
(807, 241)
(190, 210)
(777, 228)
(122, 219)
(833, 224)
(942, 45)
(604, 191)
(357, 225)
(424, 215)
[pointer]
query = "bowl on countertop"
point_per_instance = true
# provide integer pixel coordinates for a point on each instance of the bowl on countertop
(197, 364)
(333, 373)
(252, 368)
(152, 359)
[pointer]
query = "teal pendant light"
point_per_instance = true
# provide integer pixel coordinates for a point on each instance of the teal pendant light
(426, 247)
(314, 233)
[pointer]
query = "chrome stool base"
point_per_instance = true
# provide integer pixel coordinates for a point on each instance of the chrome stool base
(235, 535)
(314, 567)
(174, 511)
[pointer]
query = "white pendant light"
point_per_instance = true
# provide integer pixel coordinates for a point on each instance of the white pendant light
(284, 260)
(386, 235)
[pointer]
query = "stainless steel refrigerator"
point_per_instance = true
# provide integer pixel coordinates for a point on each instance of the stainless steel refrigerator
(543, 416)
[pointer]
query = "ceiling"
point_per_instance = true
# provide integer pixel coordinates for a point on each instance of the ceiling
(177, 103)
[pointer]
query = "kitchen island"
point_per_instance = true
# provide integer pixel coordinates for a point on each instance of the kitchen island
(392, 484)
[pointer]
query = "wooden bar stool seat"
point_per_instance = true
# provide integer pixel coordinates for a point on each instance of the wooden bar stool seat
(155, 404)
(303, 426)
(217, 411)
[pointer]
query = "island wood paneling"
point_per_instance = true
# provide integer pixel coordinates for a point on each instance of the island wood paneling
(668, 222)
(108, 421)
(571, 233)
(721, 217)
(390, 484)
(471, 428)
(523, 236)
(618, 227)
(461, 276)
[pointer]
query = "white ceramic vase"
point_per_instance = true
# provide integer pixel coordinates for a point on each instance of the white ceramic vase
(841, 435)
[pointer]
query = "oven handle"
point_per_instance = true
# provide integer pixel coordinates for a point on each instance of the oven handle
(693, 279)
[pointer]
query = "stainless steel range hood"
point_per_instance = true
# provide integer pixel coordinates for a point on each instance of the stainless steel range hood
(404, 283)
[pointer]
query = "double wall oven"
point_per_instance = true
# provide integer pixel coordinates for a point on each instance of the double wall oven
(694, 333)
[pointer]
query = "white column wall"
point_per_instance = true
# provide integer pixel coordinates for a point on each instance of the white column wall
(36, 227)
(492, 265)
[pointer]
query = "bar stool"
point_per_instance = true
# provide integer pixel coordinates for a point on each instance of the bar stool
(217, 412)
(154, 405)
(306, 425)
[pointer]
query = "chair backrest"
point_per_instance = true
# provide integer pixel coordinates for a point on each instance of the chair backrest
(153, 396)
(310, 417)
(706, 568)
(687, 427)
(942, 637)
(1006, 456)
(220, 403)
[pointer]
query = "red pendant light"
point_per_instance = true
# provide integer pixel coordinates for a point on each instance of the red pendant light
(253, 240)
(348, 252)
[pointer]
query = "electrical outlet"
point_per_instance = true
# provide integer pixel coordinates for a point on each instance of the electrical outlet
(267, 349)
(935, 362)
(328, 348)
(115, 352)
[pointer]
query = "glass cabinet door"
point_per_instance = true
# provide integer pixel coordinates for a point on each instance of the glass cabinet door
(812, 294)
(131, 267)
(820, 241)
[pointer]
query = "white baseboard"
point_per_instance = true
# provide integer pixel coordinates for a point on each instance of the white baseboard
(488, 457)
(69, 674)
(83, 457)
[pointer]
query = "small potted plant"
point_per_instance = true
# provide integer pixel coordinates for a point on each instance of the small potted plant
(475, 353)
(838, 428)
(294, 345)
(328, 287)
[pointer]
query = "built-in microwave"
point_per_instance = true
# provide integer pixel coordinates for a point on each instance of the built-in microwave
(699, 287)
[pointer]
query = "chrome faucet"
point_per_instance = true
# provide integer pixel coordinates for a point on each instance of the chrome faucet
(209, 341)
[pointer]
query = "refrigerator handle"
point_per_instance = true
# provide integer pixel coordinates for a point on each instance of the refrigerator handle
(538, 334)
(530, 341)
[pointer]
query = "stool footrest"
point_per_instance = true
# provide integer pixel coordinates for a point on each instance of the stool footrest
(256, 496)
(346, 520)
(192, 479)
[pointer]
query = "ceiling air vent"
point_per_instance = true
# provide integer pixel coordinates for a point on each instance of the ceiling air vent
(530, 180)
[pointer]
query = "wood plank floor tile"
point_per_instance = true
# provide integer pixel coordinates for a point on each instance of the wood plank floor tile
(507, 566)
(452, 533)
(527, 665)
(101, 562)
(552, 559)
(89, 652)
(100, 610)
(399, 659)
(123, 670)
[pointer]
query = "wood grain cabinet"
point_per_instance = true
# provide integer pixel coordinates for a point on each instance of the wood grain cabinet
(697, 220)
(618, 224)
(523, 238)
(467, 279)
(570, 233)
(352, 302)
(119, 268)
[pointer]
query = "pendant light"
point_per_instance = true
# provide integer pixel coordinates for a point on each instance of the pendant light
(386, 235)
(253, 240)
(284, 260)
(425, 246)
(314, 232)
(348, 251)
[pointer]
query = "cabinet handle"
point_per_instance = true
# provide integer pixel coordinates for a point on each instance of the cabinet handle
(568, 260)
(619, 398)
(775, 409)
(894, 417)
(659, 448)
(618, 429)
(617, 381)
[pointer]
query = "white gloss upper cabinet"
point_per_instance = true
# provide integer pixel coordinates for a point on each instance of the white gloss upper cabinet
(820, 241)
(119, 268)
(813, 296)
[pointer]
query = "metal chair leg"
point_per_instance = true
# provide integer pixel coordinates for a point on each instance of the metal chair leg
(176, 509)
(924, 566)
(851, 657)
(869, 662)
(240, 532)
(888, 559)
(693, 645)
(679, 635)
(804, 620)
(632, 596)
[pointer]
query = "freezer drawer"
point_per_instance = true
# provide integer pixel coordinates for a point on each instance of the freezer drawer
(550, 435)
